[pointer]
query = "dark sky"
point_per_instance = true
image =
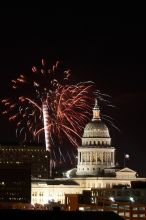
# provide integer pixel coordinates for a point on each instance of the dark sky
(107, 50)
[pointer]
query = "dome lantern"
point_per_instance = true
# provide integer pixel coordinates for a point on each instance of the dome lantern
(96, 128)
(96, 112)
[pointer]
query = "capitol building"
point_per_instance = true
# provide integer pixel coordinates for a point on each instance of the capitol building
(95, 168)
(96, 153)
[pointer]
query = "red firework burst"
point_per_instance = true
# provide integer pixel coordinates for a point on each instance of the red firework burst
(49, 104)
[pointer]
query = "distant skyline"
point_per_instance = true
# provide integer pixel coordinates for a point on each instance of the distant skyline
(106, 50)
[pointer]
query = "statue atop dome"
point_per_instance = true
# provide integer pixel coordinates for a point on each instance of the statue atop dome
(96, 112)
(96, 128)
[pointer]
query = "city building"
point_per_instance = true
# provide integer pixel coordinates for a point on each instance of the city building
(119, 200)
(96, 153)
(95, 167)
(35, 156)
(15, 183)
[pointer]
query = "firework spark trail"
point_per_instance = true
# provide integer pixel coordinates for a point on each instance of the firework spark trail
(46, 122)
(106, 118)
(61, 155)
(69, 157)
(49, 104)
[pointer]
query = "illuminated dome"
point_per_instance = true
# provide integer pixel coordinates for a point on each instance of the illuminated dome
(95, 129)
(95, 153)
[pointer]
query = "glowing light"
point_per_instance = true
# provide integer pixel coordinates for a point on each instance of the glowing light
(112, 199)
(131, 199)
(49, 104)
(127, 156)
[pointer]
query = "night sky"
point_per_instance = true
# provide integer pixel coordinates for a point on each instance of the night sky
(107, 50)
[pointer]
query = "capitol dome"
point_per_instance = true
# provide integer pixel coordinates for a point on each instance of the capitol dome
(95, 153)
(96, 129)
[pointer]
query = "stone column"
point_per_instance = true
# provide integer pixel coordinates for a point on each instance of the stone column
(81, 158)
(102, 157)
(90, 158)
(85, 158)
(106, 156)
(114, 158)
(78, 157)
(111, 158)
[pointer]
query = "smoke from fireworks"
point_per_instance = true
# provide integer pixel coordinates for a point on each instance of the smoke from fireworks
(49, 104)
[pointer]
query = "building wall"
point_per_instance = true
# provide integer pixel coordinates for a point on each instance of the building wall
(15, 183)
(92, 161)
(42, 193)
(37, 157)
(127, 210)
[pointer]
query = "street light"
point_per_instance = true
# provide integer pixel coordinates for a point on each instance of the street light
(126, 156)
(131, 199)
(112, 199)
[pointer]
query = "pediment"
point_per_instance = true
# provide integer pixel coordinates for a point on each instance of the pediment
(126, 170)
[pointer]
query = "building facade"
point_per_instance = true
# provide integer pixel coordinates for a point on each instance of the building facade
(36, 157)
(96, 152)
(127, 203)
(43, 192)
(95, 167)
(15, 183)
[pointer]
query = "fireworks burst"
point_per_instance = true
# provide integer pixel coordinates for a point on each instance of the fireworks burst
(49, 105)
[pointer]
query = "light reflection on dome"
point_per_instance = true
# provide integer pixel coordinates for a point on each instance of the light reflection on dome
(96, 129)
